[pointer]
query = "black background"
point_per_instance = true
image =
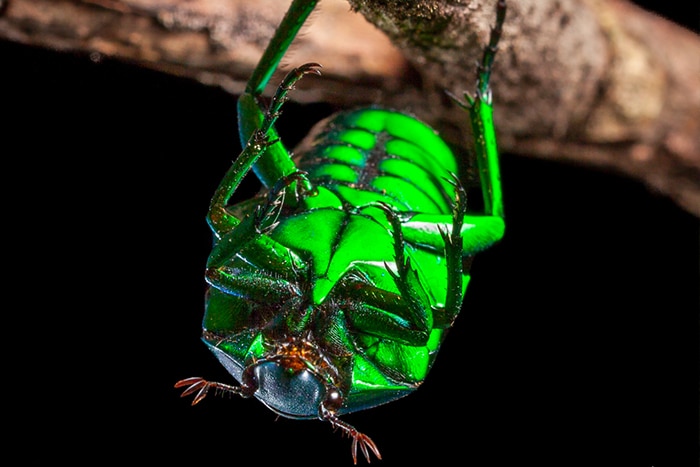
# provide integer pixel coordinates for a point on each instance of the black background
(578, 343)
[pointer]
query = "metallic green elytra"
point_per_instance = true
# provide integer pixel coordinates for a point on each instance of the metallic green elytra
(333, 288)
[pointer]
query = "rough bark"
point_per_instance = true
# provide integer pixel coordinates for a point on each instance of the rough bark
(601, 83)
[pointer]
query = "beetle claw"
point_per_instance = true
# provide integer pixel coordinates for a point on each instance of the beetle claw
(311, 68)
(287, 85)
(196, 384)
(188, 381)
(201, 386)
(365, 444)
(360, 440)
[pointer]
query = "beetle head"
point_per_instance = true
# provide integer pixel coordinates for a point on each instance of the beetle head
(296, 380)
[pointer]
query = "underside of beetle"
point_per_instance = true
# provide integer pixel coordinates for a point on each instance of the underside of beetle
(333, 288)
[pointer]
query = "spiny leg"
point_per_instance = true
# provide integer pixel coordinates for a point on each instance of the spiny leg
(294, 19)
(406, 278)
(219, 219)
(454, 247)
(481, 117)
(283, 89)
(253, 228)
(484, 68)
(359, 439)
(266, 215)
(201, 387)
(276, 160)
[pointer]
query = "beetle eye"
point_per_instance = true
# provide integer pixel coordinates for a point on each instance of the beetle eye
(333, 400)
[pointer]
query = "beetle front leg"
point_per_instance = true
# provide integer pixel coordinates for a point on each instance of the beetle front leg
(364, 442)
(201, 387)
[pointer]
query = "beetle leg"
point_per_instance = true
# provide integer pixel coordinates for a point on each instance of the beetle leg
(266, 215)
(359, 439)
(276, 162)
(292, 22)
(287, 85)
(250, 285)
(454, 246)
(254, 227)
(406, 278)
(202, 387)
(442, 234)
(218, 217)
(260, 140)
(480, 110)
(383, 314)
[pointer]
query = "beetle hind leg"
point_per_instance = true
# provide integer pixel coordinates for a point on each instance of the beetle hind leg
(480, 109)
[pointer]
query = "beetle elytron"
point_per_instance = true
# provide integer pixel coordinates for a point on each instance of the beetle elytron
(332, 290)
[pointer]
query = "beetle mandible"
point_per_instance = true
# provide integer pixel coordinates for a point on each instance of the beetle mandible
(331, 290)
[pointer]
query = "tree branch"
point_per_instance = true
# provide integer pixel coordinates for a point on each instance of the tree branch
(600, 83)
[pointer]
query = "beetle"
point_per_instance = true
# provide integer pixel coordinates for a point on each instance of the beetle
(331, 290)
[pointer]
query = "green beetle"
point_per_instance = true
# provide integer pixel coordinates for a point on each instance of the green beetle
(332, 290)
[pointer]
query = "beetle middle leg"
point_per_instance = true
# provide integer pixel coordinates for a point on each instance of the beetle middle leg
(457, 236)
(260, 141)
(266, 215)
(406, 278)
(454, 247)
(254, 227)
